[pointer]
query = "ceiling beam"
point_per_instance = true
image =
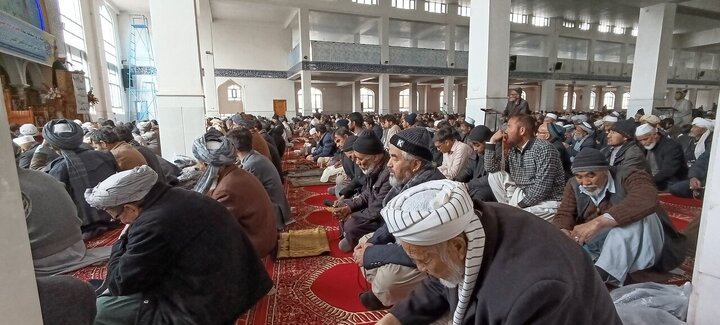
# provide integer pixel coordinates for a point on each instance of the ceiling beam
(697, 39)
(712, 11)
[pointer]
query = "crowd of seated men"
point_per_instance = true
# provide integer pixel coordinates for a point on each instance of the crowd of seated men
(425, 203)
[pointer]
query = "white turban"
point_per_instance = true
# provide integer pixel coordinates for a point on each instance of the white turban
(552, 116)
(124, 187)
(313, 131)
(438, 122)
(29, 129)
(23, 139)
(610, 118)
(470, 120)
(704, 123)
(585, 126)
(434, 212)
(579, 118)
(645, 129)
(598, 123)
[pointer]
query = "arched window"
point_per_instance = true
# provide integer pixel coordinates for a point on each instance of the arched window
(565, 101)
(233, 93)
(404, 102)
(315, 100)
(625, 100)
(74, 34)
(107, 24)
(523, 95)
(609, 100)
(593, 98)
(442, 99)
(367, 99)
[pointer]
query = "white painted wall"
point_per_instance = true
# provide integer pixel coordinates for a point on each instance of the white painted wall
(254, 46)
(258, 94)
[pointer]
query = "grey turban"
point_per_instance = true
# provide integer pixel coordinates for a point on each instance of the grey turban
(216, 152)
(434, 212)
(63, 134)
(124, 187)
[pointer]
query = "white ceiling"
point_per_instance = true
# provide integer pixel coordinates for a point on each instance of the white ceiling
(131, 5)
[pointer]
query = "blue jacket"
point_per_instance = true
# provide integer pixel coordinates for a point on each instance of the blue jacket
(325, 147)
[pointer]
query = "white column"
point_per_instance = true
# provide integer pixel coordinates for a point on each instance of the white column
(96, 60)
(304, 28)
(569, 102)
(180, 99)
(207, 58)
(356, 97)
(619, 92)
(384, 31)
(547, 96)
(426, 95)
(19, 302)
(551, 45)
(652, 52)
(413, 88)
(306, 89)
(305, 55)
(384, 99)
(450, 40)
(584, 105)
(449, 91)
(489, 57)
(706, 275)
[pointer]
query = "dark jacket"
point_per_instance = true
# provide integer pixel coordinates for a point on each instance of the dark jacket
(600, 139)
(378, 131)
(562, 288)
(588, 143)
(699, 169)
(521, 107)
(689, 143)
(99, 166)
(354, 174)
(671, 162)
(368, 204)
(325, 147)
(564, 156)
(635, 198)
(190, 260)
(629, 156)
(275, 157)
(384, 249)
(152, 160)
(26, 157)
(475, 175)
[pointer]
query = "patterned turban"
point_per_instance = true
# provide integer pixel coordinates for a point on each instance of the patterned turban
(434, 212)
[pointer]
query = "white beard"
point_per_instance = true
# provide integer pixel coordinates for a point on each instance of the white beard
(650, 147)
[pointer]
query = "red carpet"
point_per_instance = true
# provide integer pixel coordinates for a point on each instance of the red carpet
(336, 286)
(318, 200)
(681, 210)
(322, 189)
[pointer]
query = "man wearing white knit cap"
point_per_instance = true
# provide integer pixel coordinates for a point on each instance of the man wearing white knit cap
(485, 265)
(664, 156)
(550, 118)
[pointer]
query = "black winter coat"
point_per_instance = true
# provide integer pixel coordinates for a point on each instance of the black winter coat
(190, 260)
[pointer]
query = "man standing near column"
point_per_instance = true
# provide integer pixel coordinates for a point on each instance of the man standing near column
(684, 107)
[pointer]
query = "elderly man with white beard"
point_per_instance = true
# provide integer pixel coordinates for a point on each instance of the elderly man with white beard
(486, 266)
(361, 215)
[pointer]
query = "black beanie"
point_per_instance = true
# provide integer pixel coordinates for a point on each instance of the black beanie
(342, 123)
(480, 133)
(588, 160)
(349, 143)
(411, 118)
(368, 144)
(414, 141)
(625, 127)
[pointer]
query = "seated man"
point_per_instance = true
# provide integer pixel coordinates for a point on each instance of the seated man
(486, 266)
(263, 169)
(615, 216)
(361, 214)
(53, 226)
(698, 139)
(694, 186)
(555, 134)
(535, 177)
(583, 137)
(622, 150)
(455, 153)
(664, 156)
(325, 145)
(125, 155)
(183, 259)
(474, 173)
(386, 266)
(237, 190)
(79, 168)
(351, 180)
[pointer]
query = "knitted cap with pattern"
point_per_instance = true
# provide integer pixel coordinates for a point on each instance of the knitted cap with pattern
(415, 141)
(625, 127)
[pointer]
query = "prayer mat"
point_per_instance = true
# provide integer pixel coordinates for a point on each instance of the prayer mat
(306, 172)
(682, 211)
(303, 243)
(309, 181)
